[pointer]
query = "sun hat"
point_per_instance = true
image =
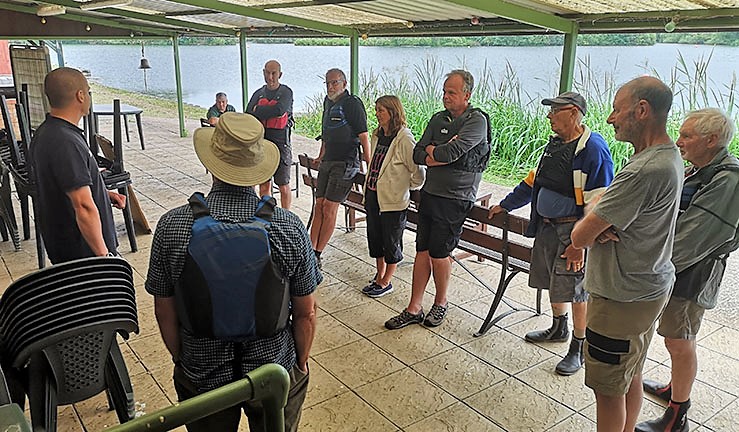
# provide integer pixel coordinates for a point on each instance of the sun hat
(568, 98)
(235, 151)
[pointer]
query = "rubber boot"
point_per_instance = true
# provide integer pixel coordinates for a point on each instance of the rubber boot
(558, 332)
(662, 391)
(675, 419)
(574, 359)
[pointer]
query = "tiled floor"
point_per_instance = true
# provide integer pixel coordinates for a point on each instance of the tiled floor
(365, 378)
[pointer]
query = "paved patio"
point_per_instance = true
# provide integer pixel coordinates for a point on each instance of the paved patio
(365, 378)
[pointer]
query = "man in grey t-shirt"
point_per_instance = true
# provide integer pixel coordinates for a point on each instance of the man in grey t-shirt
(630, 232)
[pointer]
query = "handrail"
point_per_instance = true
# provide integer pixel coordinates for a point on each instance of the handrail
(268, 383)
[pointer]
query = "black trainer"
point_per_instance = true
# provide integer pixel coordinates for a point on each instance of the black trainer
(661, 391)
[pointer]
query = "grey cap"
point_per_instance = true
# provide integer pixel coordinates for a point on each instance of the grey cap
(568, 98)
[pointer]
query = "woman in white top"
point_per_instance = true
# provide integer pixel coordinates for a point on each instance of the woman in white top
(390, 177)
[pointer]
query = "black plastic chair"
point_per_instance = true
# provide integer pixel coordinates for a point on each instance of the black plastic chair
(11, 415)
(15, 158)
(115, 176)
(58, 327)
(8, 225)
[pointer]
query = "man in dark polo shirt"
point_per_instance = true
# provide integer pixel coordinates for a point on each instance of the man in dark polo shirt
(75, 208)
(221, 106)
(343, 131)
(272, 104)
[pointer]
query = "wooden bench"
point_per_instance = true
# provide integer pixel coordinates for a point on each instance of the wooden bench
(497, 245)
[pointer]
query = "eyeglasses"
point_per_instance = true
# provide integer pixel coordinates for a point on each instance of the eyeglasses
(556, 109)
(333, 82)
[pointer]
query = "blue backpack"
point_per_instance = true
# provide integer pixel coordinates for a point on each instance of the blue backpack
(230, 289)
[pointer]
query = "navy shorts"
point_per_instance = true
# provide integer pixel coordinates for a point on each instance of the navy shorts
(384, 230)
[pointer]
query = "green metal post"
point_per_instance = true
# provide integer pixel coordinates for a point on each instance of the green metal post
(269, 383)
(568, 61)
(178, 83)
(354, 63)
(244, 70)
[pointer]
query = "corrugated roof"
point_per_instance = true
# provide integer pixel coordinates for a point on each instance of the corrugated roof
(397, 17)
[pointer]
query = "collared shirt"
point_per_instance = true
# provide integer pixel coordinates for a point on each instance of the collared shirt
(209, 363)
(64, 163)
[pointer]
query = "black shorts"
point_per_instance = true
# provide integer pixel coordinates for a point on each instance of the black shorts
(384, 230)
(440, 223)
(282, 175)
(333, 183)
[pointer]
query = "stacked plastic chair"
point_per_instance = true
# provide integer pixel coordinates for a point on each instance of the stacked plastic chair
(58, 326)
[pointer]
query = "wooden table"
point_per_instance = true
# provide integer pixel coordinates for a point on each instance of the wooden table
(107, 110)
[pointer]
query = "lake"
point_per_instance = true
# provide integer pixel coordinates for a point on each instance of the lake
(210, 69)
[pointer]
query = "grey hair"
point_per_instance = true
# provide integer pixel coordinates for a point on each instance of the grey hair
(221, 95)
(709, 121)
(338, 71)
(469, 81)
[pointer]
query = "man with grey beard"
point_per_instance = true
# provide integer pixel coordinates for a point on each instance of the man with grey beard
(344, 130)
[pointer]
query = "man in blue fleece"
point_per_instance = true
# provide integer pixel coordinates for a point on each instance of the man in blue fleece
(575, 167)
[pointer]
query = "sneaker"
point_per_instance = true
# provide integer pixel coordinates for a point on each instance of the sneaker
(436, 316)
(379, 291)
(404, 319)
(369, 288)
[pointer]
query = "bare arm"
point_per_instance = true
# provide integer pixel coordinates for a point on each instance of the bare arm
(587, 230)
(304, 327)
(364, 141)
(88, 219)
(169, 327)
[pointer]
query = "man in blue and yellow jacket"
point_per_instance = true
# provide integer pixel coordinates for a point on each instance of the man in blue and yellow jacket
(575, 168)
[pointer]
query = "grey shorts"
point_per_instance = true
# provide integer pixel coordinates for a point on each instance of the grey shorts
(282, 175)
(549, 271)
(681, 319)
(333, 183)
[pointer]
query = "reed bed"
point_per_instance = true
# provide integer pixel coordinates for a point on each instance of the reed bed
(518, 121)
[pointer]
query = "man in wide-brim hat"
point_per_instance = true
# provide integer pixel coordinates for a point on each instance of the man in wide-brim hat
(237, 155)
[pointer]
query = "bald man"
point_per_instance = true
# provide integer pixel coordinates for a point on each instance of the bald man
(75, 217)
(630, 231)
(273, 106)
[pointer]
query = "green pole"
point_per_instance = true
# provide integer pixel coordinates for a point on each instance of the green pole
(568, 60)
(354, 63)
(178, 82)
(244, 71)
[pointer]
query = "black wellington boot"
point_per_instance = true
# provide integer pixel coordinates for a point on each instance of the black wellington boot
(654, 388)
(558, 332)
(675, 419)
(574, 359)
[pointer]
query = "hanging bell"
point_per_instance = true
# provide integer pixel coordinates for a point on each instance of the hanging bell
(144, 63)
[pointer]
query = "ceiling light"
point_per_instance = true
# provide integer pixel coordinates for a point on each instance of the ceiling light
(100, 4)
(45, 10)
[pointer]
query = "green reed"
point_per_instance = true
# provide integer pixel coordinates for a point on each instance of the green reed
(518, 121)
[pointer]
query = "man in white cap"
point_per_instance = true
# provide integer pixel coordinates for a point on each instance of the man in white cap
(239, 157)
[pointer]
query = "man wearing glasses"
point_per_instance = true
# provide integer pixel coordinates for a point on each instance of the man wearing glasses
(343, 131)
(575, 167)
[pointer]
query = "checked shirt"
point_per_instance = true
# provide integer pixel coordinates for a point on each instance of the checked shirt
(208, 363)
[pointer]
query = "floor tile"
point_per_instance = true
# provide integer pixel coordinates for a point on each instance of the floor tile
(358, 363)
(367, 319)
(339, 296)
(724, 340)
(574, 423)
(330, 334)
(517, 407)
(727, 419)
(459, 372)
(346, 412)
(507, 352)
(405, 397)
(459, 326)
(411, 344)
(457, 418)
(322, 386)
(570, 391)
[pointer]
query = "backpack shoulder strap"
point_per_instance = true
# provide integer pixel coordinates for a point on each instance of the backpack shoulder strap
(266, 208)
(198, 205)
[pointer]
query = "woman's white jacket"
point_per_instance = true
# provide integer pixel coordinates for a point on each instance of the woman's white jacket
(398, 173)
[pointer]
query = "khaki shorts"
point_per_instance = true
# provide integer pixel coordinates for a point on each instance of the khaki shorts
(618, 336)
(681, 319)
